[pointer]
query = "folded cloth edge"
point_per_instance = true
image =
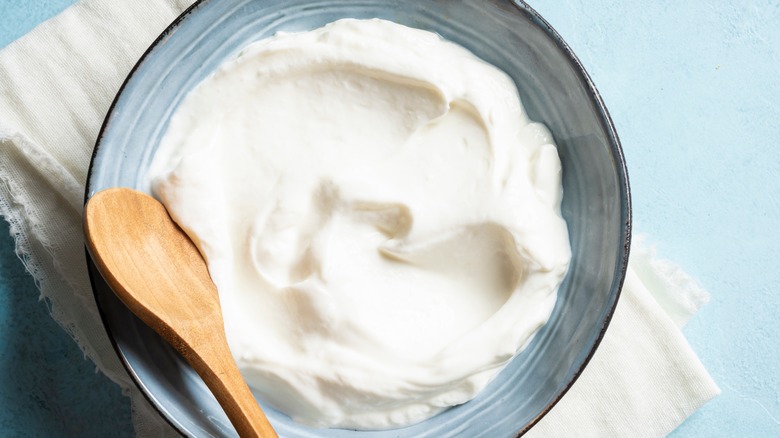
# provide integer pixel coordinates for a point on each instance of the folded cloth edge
(38, 254)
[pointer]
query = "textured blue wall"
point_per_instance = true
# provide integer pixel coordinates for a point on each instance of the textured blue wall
(48, 388)
(694, 90)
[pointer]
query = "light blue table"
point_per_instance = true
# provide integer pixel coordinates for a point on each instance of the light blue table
(694, 89)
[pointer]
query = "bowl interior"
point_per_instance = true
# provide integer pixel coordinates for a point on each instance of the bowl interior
(554, 90)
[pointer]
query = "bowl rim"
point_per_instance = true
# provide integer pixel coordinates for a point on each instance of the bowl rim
(606, 120)
(623, 182)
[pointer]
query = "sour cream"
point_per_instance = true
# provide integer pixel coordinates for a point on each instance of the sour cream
(381, 219)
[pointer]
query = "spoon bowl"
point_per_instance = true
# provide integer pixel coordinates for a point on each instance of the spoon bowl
(156, 270)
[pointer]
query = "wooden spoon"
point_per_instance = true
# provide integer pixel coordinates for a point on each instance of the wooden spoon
(156, 270)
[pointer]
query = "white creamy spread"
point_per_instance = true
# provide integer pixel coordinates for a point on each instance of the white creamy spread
(379, 215)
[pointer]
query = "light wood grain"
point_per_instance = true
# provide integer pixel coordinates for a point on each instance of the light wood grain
(156, 270)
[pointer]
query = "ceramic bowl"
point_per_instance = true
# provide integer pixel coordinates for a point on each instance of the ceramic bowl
(554, 89)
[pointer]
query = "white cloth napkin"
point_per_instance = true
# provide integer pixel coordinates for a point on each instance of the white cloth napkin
(56, 85)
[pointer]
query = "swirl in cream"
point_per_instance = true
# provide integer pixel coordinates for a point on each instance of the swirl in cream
(380, 217)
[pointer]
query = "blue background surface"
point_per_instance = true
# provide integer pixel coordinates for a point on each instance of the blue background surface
(694, 90)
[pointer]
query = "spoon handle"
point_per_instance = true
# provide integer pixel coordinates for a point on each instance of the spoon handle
(215, 365)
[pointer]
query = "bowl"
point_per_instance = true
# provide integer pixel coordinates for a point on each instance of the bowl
(554, 89)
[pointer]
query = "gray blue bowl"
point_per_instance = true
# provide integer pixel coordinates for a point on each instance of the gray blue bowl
(554, 89)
